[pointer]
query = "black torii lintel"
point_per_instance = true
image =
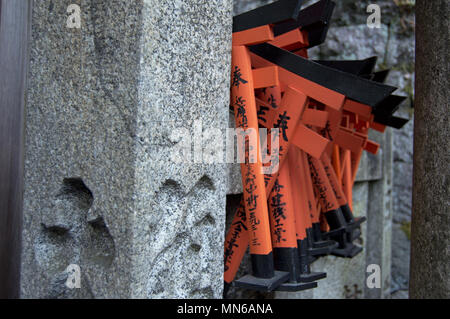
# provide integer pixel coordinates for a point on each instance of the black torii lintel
(357, 67)
(315, 19)
(276, 12)
(352, 86)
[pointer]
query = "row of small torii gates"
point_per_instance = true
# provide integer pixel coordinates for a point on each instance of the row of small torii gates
(323, 111)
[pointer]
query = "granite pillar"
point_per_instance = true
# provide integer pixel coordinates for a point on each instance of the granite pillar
(101, 190)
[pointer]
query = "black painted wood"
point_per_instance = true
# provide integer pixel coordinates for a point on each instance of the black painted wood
(358, 67)
(315, 19)
(350, 85)
(276, 12)
(15, 18)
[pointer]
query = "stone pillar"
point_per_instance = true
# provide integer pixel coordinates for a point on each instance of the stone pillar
(379, 215)
(430, 253)
(101, 190)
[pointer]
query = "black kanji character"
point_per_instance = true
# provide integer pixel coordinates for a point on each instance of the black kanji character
(282, 123)
(237, 77)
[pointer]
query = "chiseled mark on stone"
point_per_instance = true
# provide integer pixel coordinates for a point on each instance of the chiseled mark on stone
(53, 249)
(195, 247)
(73, 231)
(160, 273)
(100, 249)
(68, 206)
(208, 220)
(76, 187)
(171, 199)
(199, 203)
(195, 179)
(205, 182)
(182, 234)
(178, 271)
(181, 210)
(56, 245)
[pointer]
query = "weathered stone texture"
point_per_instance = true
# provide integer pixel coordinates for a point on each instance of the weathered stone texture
(430, 249)
(379, 217)
(100, 189)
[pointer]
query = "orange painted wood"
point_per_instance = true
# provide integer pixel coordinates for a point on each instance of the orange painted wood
(332, 127)
(308, 218)
(253, 36)
(236, 243)
(302, 53)
(323, 189)
(378, 127)
(334, 182)
(317, 92)
(237, 238)
(346, 118)
(300, 222)
(312, 202)
(346, 139)
(337, 162)
(281, 211)
(289, 112)
(292, 104)
(266, 113)
(286, 118)
(291, 41)
(315, 118)
(313, 90)
(372, 147)
(362, 135)
(334, 117)
(302, 192)
(272, 95)
(265, 77)
(361, 125)
(243, 99)
(362, 110)
(299, 191)
(309, 141)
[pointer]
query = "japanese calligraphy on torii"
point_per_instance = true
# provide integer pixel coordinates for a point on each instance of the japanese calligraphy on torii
(237, 77)
(282, 124)
(278, 211)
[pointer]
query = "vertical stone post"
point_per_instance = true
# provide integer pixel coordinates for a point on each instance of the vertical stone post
(430, 242)
(106, 205)
(379, 217)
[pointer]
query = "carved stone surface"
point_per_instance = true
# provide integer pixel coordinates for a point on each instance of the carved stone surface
(101, 190)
